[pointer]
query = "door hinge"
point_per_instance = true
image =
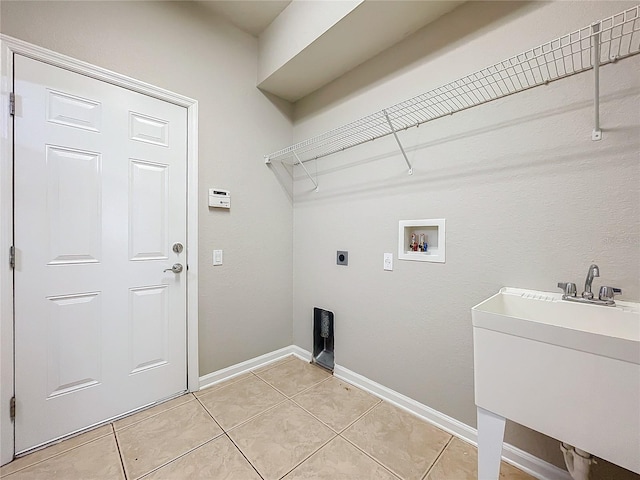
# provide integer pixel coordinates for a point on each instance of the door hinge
(12, 408)
(12, 103)
(12, 257)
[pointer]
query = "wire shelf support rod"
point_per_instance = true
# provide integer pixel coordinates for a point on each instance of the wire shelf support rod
(395, 135)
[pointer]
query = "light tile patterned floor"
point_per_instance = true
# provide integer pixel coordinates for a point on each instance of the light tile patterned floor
(288, 420)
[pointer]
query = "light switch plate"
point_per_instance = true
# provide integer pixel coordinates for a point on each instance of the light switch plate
(388, 261)
(217, 257)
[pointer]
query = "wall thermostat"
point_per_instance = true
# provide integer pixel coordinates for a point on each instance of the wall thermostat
(219, 198)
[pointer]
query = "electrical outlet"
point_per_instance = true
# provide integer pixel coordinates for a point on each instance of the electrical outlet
(217, 257)
(388, 261)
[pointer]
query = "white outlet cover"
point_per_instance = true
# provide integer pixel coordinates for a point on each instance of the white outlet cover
(217, 257)
(388, 261)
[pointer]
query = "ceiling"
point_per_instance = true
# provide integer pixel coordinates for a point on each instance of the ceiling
(251, 16)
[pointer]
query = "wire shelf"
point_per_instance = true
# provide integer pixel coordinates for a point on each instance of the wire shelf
(618, 37)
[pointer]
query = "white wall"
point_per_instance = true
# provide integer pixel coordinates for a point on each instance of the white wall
(528, 198)
(245, 305)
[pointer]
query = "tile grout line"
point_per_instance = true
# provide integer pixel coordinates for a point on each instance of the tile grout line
(371, 457)
(361, 416)
(211, 415)
(272, 407)
(291, 398)
(242, 453)
(178, 457)
(379, 461)
(271, 365)
(297, 393)
(56, 454)
(310, 455)
(437, 458)
(338, 432)
(113, 431)
(378, 402)
(222, 384)
(312, 386)
(124, 470)
(275, 388)
(301, 391)
(247, 419)
(151, 416)
(314, 416)
(191, 449)
(286, 397)
(255, 375)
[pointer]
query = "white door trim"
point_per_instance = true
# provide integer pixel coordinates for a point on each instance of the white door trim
(9, 46)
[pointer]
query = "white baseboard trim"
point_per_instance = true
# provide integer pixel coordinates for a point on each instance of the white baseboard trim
(240, 368)
(518, 458)
(532, 465)
(251, 364)
(442, 421)
(301, 353)
(510, 454)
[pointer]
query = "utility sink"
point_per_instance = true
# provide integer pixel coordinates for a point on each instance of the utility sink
(610, 331)
(569, 370)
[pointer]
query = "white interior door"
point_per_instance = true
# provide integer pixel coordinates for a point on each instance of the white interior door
(100, 199)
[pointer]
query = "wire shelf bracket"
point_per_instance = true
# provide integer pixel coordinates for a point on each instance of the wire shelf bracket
(597, 132)
(605, 41)
(315, 182)
(395, 135)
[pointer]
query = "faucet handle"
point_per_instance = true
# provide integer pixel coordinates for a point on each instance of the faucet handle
(568, 289)
(607, 293)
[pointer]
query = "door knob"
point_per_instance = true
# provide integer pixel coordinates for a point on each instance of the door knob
(177, 268)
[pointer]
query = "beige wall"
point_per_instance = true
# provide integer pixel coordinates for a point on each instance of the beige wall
(528, 198)
(245, 305)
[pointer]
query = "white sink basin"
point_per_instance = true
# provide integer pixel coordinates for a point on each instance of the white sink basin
(566, 369)
(610, 331)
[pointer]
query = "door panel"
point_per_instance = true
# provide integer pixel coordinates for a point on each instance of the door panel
(100, 197)
(74, 205)
(73, 332)
(148, 129)
(149, 327)
(148, 210)
(73, 111)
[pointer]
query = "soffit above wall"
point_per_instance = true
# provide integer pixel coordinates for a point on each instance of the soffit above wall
(363, 31)
(305, 44)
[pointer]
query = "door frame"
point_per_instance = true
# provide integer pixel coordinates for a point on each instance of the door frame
(9, 46)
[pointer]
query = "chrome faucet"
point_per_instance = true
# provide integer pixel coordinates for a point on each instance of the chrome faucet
(594, 271)
(605, 296)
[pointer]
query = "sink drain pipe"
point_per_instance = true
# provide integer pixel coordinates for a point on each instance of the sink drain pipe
(578, 461)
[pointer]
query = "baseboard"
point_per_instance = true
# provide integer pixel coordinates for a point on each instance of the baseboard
(240, 368)
(442, 421)
(301, 353)
(510, 454)
(532, 465)
(518, 458)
